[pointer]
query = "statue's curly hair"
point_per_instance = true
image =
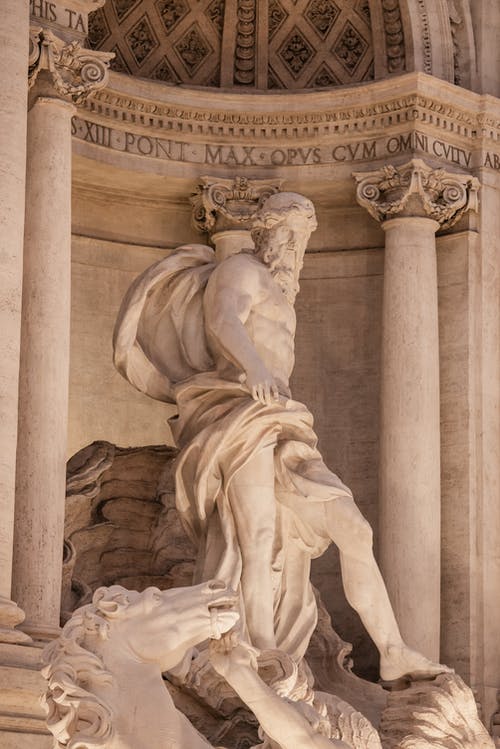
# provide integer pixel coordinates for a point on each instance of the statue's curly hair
(277, 209)
(77, 718)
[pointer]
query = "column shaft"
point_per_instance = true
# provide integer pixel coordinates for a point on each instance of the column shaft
(13, 111)
(231, 242)
(409, 431)
(43, 384)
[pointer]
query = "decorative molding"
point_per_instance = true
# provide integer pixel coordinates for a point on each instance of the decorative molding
(416, 189)
(244, 56)
(321, 119)
(426, 37)
(10, 616)
(75, 71)
(456, 21)
(225, 203)
(394, 36)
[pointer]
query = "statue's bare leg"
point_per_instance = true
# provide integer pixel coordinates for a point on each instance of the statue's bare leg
(365, 589)
(253, 503)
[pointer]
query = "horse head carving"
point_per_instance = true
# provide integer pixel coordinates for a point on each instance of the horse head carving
(128, 638)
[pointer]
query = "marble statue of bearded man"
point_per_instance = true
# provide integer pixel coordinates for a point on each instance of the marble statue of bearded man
(251, 487)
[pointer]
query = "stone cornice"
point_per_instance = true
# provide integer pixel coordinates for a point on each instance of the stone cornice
(144, 125)
(413, 96)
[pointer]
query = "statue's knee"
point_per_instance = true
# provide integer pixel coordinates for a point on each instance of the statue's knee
(359, 541)
(258, 546)
(364, 533)
(349, 529)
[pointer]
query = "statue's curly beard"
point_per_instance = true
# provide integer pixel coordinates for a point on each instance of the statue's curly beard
(275, 256)
(287, 281)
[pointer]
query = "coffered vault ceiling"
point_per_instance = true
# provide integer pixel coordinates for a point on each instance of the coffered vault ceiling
(274, 44)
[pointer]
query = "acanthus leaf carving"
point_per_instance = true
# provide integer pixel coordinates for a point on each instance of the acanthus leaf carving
(75, 71)
(417, 189)
(230, 202)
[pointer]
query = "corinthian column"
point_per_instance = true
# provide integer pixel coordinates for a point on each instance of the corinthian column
(412, 202)
(62, 73)
(224, 209)
(13, 111)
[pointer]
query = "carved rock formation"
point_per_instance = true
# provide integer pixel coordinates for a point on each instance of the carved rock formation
(121, 526)
(438, 714)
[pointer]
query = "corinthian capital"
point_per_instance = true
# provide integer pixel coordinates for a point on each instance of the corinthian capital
(221, 204)
(415, 189)
(73, 71)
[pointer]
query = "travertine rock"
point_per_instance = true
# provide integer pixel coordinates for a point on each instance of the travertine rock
(438, 714)
(121, 524)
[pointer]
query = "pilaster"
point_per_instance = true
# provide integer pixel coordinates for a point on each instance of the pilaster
(62, 73)
(13, 84)
(412, 202)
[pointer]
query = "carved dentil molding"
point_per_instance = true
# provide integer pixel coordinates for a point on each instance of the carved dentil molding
(416, 189)
(229, 203)
(75, 71)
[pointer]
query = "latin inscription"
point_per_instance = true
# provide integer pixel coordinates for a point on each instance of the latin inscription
(49, 11)
(492, 160)
(265, 156)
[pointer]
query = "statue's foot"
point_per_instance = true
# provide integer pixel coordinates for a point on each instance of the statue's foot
(401, 661)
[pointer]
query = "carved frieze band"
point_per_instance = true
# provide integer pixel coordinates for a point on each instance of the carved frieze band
(231, 203)
(415, 189)
(75, 71)
(321, 119)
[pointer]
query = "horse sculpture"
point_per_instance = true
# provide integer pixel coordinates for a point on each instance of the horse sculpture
(105, 686)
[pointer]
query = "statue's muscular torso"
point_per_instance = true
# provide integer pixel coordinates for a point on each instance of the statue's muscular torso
(242, 293)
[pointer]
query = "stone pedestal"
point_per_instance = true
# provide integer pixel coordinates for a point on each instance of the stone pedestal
(412, 202)
(61, 73)
(22, 717)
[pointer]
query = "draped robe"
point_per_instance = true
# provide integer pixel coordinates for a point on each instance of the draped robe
(161, 348)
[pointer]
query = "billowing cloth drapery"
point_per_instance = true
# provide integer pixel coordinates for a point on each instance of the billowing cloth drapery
(160, 346)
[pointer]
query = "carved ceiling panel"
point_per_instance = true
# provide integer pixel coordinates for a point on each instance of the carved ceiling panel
(308, 43)
(321, 43)
(177, 41)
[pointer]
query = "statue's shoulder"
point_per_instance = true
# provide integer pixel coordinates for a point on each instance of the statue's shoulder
(239, 270)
